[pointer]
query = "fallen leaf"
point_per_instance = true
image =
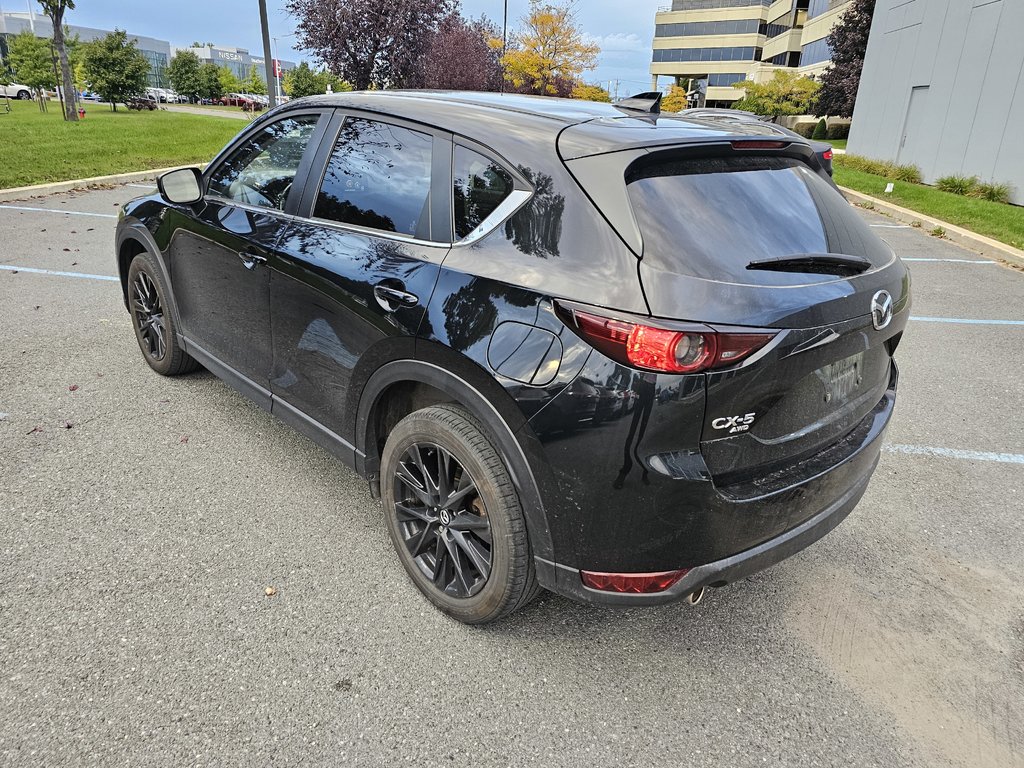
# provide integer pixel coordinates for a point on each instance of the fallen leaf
(270, 591)
(74, 263)
(73, 232)
(73, 388)
(14, 271)
(184, 439)
(34, 430)
(37, 306)
(68, 250)
(68, 425)
(88, 230)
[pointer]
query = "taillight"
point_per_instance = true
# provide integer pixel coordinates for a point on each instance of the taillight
(662, 349)
(827, 154)
(632, 583)
(759, 144)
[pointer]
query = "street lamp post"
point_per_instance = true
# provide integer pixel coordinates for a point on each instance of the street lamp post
(504, 45)
(268, 58)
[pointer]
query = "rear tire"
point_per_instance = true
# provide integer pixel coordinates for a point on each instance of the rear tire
(454, 516)
(153, 322)
(24, 95)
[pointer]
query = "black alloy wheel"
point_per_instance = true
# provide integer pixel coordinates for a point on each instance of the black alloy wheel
(442, 520)
(454, 515)
(149, 316)
(153, 318)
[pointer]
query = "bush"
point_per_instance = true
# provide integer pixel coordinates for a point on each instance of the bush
(957, 185)
(908, 173)
(838, 131)
(804, 129)
(820, 130)
(997, 193)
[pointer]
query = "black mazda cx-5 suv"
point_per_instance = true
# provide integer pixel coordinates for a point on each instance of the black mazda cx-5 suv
(576, 346)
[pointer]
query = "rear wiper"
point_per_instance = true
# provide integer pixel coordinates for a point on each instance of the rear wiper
(825, 264)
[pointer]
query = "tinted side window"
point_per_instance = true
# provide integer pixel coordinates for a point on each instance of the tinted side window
(378, 177)
(480, 187)
(262, 170)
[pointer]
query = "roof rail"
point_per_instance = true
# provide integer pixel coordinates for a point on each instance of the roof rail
(648, 102)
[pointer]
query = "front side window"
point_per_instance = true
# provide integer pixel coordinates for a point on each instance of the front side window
(481, 185)
(378, 177)
(262, 170)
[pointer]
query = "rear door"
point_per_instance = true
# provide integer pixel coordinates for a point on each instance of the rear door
(358, 266)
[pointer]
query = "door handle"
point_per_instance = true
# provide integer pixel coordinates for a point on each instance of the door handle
(250, 259)
(391, 295)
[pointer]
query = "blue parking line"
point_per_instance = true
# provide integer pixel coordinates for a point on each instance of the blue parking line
(10, 268)
(964, 321)
(950, 261)
(52, 210)
(955, 453)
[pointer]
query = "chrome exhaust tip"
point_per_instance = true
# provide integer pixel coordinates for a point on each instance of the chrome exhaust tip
(695, 597)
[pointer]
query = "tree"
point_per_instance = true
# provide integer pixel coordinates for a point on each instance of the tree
(55, 9)
(31, 60)
(115, 67)
(591, 93)
(371, 43)
(209, 82)
(183, 71)
(253, 83)
(301, 81)
(550, 48)
(337, 85)
(462, 57)
(848, 43)
(820, 130)
(675, 100)
(229, 83)
(785, 94)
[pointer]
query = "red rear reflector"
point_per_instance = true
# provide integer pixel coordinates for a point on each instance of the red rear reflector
(827, 154)
(663, 349)
(632, 583)
(759, 144)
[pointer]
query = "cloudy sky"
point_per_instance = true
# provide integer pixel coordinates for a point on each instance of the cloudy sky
(623, 28)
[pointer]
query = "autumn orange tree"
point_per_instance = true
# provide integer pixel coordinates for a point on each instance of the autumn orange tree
(675, 100)
(548, 55)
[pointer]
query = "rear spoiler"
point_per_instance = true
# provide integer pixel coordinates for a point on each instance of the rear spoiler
(648, 103)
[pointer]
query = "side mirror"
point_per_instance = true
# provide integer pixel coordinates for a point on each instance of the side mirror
(183, 186)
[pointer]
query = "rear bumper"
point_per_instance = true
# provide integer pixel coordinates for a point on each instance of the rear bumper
(826, 493)
(566, 581)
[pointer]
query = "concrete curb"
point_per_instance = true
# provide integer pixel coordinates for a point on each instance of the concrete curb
(986, 246)
(41, 190)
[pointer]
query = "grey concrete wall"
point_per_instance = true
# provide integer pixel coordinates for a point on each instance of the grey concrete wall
(943, 88)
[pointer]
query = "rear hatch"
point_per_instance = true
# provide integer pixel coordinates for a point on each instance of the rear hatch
(740, 234)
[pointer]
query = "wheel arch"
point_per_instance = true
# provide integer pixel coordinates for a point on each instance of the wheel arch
(133, 239)
(403, 386)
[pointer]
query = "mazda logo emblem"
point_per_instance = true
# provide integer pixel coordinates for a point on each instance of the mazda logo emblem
(881, 310)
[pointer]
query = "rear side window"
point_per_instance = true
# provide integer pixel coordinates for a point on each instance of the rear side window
(378, 177)
(711, 217)
(481, 185)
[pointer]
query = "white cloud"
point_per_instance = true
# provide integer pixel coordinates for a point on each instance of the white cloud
(619, 42)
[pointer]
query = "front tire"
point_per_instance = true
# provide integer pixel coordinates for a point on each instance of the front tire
(24, 95)
(151, 317)
(454, 516)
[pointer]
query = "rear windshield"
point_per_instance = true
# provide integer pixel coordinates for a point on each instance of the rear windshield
(711, 217)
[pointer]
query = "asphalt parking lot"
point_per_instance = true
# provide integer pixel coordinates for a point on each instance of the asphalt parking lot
(144, 518)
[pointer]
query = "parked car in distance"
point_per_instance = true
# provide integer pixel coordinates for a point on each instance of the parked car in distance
(821, 149)
(437, 286)
(140, 103)
(89, 96)
(15, 91)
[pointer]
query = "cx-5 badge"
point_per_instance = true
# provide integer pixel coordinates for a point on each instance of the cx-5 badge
(881, 310)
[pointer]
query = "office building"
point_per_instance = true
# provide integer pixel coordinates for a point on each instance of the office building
(157, 52)
(721, 42)
(943, 89)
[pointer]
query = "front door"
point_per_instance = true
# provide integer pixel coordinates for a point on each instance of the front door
(355, 274)
(218, 257)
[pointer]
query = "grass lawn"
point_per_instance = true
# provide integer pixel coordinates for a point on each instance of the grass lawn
(837, 143)
(996, 220)
(39, 148)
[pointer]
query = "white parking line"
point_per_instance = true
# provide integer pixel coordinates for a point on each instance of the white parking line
(51, 210)
(953, 261)
(964, 321)
(142, 186)
(890, 226)
(9, 268)
(955, 453)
